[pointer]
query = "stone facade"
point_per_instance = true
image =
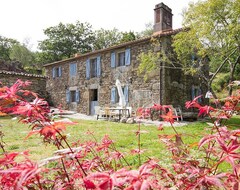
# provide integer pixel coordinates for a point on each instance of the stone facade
(8, 78)
(69, 83)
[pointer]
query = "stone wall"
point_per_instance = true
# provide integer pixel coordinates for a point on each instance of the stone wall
(126, 74)
(38, 85)
(165, 86)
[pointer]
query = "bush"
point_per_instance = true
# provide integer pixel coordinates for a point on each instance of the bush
(99, 165)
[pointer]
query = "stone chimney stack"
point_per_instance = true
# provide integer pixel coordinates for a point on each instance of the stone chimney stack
(162, 18)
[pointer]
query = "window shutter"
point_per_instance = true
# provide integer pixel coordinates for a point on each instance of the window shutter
(199, 93)
(113, 60)
(67, 96)
(98, 66)
(60, 71)
(126, 93)
(127, 57)
(113, 95)
(53, 72)
(193, 92)
(88, 69)
(74, 69)
(77, 96)
(71, 69)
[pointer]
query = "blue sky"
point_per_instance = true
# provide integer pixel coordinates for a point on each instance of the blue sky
(26, 19)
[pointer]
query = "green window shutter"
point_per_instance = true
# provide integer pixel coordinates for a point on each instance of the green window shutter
(113, 60)
(127, 56)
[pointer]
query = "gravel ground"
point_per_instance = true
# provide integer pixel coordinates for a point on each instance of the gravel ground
(74, 115)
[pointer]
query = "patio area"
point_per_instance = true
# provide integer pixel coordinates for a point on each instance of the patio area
(147, 122)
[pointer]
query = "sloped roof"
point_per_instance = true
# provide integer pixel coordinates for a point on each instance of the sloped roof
(21, 74)
(156, 34)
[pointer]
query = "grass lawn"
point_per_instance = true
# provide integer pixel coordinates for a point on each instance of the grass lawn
(122, 134)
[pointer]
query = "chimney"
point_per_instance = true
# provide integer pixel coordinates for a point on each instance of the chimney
(162, 18)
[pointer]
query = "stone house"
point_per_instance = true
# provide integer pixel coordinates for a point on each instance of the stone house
(84, 81)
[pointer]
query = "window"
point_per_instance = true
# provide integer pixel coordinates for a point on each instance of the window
(72, 96)
(196, 91)
(115, 95)
(121, 58)
(56, 72)
(73, 69)
(93, 67)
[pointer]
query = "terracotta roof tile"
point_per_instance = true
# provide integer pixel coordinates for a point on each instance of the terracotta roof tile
(21, 74)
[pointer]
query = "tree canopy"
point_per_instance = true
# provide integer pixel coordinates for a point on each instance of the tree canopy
(106, 38)
(212, 30)
(6, 45)
(64, 40)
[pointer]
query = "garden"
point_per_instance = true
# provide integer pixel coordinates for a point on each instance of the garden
(42, 151)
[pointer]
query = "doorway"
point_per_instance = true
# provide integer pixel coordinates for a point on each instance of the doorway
(93, 99)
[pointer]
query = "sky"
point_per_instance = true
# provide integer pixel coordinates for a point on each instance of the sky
(25, 20)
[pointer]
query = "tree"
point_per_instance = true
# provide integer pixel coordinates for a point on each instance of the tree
(64, 40)
(128, 36)
(6, 45)
(212, 31)
(148, 31)
(22, 54)
(106, 38)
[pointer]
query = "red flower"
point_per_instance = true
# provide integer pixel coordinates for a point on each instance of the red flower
(137, 151)
(156, 107)
(169, 117)
(204, 110)
(193, 103)
(49, 130)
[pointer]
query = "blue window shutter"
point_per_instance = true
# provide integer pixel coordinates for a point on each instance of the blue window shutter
(113, 60)
(53, 72)
(74, 69)
(113, 95)
(199, 93)
(88, 69)
(67, 96)
(193, 92)
(126, 93)
(77, 96)
(128, 56)
(98, 66)
(60, 71)
(71, 69)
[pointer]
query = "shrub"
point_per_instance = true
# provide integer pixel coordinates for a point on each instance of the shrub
(99, 165)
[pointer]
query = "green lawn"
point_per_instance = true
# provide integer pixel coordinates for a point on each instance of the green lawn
(122, 134)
